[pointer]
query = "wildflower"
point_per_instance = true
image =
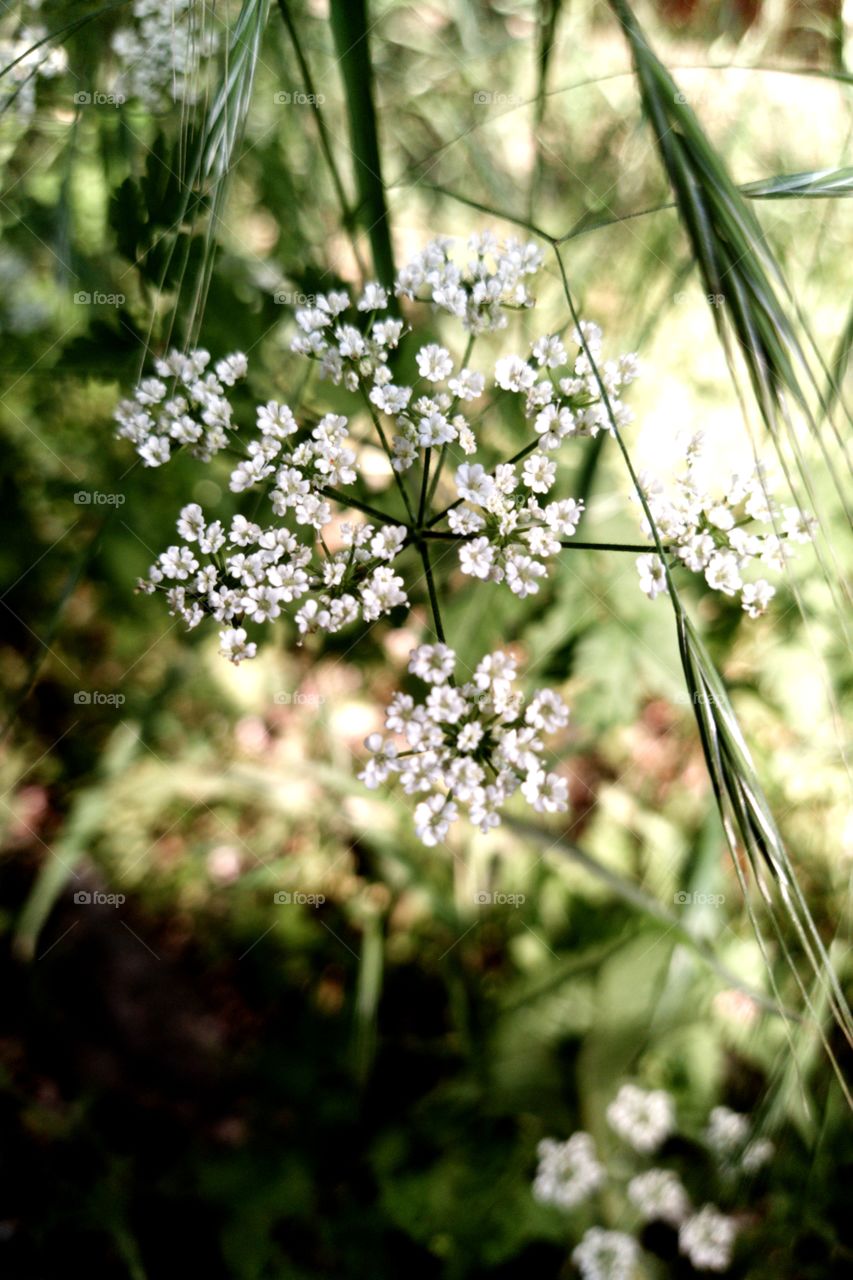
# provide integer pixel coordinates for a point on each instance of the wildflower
(568, 1173)
(659, 1196)
(707, 1239)
(643, 1118)
(727, 1131)
(235, 645)
(606, 1255)
(459, 732)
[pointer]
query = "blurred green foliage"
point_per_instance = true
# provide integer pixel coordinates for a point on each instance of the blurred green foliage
(204, 1078)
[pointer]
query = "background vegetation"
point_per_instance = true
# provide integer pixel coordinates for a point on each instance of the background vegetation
(203, 1078)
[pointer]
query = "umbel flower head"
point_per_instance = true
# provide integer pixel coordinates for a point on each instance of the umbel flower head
(305, 545)
(467, 747)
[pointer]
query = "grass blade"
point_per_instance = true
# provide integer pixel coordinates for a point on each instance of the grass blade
(351, 34)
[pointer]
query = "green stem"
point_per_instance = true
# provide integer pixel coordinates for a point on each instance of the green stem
(433, 596)
(398, 479)
(347, 501)
(325, 145)
(466, 357)
(516, 457)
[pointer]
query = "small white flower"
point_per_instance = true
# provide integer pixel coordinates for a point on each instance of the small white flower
(512, 374)
(606, 1255)
(643, 1118)
(434, 363)
(433, 818)
(539, 472)
(569, 1172)
(727, 1131)
(756, 596)
(659, 1196)
(707, 1239)
(374, 298)
(235, 645)
(473, 483)
(652, 575)
(476, 557)
(467, 385)
(433, 663)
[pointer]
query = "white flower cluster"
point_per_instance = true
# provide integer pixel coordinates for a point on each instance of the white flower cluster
(162, 52)
(45, 62)
(562, 393)
(508, 532)
(716, 534)
(658, 1196)
(606, 1255)
(182, 405)
(569, 1172)
(643, 1118)
(249, 573)
(729, 1136)
(477, 292)
(470, 746)
(707, 1239)
(467, 747)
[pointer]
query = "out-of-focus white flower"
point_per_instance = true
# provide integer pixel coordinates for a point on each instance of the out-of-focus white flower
(643, 1118)
(606, 1255)
(568, 1172)
(659, 1196)
(707, 1239)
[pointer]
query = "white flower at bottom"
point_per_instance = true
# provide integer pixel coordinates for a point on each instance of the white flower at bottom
(568, 1173)
(727, 1130)
(643, 1118)
(606, 1255)
(659, 1196)
(707, 1239)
